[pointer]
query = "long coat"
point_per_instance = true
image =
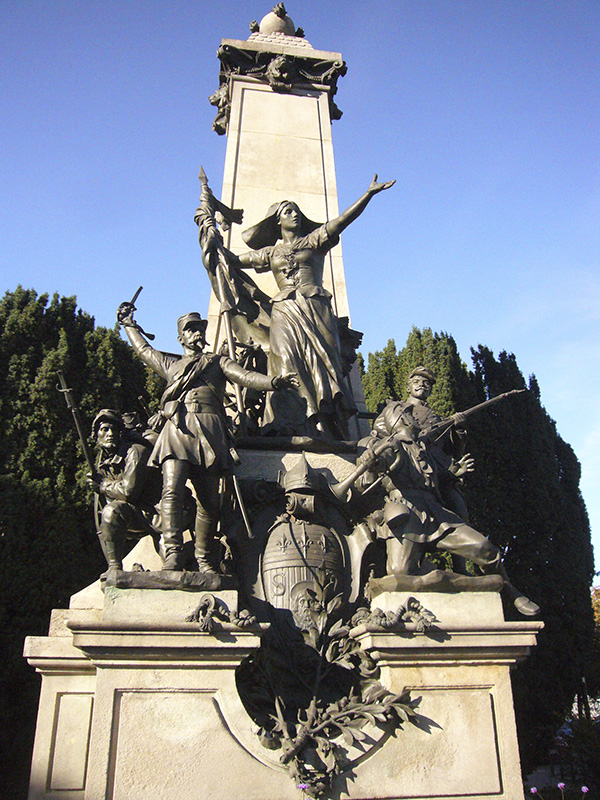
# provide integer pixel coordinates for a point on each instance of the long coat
(194, 426)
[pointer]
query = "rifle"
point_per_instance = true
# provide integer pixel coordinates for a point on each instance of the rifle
(99, 500)
(443, 426)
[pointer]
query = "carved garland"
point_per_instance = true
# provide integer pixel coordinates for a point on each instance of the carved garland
(281, 72)
(313, 690)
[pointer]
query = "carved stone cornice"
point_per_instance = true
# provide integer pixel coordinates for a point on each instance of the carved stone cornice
(284, 67)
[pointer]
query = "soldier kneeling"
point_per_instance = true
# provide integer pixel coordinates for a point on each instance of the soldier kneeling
(127, 488)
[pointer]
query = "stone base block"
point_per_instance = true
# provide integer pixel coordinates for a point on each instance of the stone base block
(157, 606)
(138, 704)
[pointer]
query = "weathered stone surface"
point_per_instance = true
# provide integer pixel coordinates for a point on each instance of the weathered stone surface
(479, 607)
(125, 703)
(267, 464)
(157, 605)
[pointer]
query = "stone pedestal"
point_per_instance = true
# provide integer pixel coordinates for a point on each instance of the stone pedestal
(139, 704)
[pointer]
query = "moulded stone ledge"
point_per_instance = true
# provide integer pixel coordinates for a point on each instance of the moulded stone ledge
(55, 655)
(106, 645)
(284, 49)
(507, 644)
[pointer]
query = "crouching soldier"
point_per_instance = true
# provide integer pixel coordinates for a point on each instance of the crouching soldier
(127, 488)
(415, 520)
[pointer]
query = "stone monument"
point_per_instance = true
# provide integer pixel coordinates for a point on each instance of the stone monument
(276, 103)
(278, 630)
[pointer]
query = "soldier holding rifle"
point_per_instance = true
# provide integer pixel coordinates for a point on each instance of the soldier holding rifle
(129, 490)
(415, 517)
(126, 489)
(449, 453)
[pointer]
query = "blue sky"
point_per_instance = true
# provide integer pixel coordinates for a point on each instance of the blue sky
(485, 111)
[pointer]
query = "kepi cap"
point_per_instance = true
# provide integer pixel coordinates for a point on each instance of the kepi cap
(423, 372)
(186, 319)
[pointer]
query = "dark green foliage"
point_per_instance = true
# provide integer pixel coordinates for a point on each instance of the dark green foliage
(48, 546)
(525, 496)
(388, 371)
(380, 377)
(593, 678)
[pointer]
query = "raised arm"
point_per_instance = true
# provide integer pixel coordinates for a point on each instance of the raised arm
(337, 225)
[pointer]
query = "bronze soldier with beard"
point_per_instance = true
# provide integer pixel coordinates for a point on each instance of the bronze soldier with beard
(193, 442)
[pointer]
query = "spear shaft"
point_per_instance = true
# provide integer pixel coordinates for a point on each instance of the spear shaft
(72, 406)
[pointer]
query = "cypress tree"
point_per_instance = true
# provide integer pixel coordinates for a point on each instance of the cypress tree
(48, 547)
(525, 496)
(380, 377)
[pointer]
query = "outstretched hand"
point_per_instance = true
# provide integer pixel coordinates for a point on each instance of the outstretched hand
(288, 380)
(466, 464)
(375, 187)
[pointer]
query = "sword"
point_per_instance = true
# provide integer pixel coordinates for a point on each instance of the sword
(129, 308)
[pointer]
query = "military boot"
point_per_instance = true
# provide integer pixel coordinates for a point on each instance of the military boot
(173, 545)
(204, 541)
(523, 604)
(111, 553)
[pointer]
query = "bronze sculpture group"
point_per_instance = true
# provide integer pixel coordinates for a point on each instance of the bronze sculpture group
(405, 491)
(307, 554)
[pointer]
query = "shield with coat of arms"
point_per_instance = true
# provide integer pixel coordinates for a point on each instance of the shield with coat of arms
(299, 552)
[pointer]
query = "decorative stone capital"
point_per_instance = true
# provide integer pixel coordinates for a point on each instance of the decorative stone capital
(284, 62)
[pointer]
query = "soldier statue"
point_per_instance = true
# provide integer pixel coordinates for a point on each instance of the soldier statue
(448, 452)
(193, 440)
(128, 489)
(415, 517)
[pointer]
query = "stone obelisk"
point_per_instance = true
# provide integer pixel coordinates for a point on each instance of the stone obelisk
(276, 105)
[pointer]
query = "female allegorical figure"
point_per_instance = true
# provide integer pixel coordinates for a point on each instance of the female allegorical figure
(304, 335)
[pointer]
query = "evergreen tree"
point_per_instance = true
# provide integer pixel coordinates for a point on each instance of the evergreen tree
(525, 496)
(388, 371)
(48, 546)
(380, 377)
(593, 682)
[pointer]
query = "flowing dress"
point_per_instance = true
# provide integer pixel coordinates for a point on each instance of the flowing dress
(304, 336)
